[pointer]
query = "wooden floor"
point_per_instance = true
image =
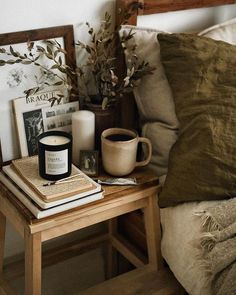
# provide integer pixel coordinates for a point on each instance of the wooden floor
(142, 281)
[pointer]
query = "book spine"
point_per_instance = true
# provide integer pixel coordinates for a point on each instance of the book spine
(47, 212)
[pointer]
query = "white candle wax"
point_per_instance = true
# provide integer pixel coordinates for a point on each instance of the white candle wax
(83, 130)
(54, 140)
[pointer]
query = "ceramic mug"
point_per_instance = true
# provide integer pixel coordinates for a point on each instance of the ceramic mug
(119, 151)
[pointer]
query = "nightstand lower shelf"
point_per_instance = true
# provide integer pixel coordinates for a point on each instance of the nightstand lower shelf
(143, 280)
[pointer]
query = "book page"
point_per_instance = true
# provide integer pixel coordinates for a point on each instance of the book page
(29, 170)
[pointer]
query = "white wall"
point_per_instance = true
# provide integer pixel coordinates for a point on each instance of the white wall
(189, 20)
(32, 14)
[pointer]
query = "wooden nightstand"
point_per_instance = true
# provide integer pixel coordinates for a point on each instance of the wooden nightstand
(118, 200)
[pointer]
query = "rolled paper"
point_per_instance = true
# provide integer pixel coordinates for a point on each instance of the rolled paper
(83, 132)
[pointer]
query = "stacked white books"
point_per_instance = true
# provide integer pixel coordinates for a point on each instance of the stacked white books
(44, 198)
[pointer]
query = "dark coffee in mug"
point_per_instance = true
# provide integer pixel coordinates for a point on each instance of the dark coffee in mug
(119, 151)
(119, 137)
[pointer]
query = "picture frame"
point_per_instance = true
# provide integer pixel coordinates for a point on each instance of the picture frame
(88, 162)
(11, 89)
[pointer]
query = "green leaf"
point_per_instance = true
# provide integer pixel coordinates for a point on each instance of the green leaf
(62, 70)
(31, 91)
(49, 50)
(30, 45)
(2, 50)
(58, 44)
(54, 67)
(60, 60)
(104, 102)
(88, 49)
(62, 50)
(53, 101)
(2, 62)
(26, 62)
(10, 62)
(48, 56)
(40, 48)
(50, 42)
(13, 52)
(56, 53)
(58, 83)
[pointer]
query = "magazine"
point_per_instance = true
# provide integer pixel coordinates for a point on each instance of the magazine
(29, 121)
(59, 116)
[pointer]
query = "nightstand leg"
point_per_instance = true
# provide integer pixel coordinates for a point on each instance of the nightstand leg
(33, 263)
(153, 232)
(111, 268)
(2, 240)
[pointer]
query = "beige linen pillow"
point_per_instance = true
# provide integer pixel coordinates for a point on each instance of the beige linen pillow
(153, 97)
(201, 73)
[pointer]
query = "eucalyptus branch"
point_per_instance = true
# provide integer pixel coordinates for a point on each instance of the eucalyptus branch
(99, 65)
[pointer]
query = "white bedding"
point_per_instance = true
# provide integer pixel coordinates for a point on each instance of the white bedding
(181, 227)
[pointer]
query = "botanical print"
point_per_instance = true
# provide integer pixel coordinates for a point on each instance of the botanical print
(15, 77)
(33, 124)
(15, 80)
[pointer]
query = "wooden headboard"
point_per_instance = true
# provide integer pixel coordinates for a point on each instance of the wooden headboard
(129, 117)
(159, 6)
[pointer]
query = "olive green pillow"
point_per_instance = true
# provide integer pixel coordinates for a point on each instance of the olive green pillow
(202, 76)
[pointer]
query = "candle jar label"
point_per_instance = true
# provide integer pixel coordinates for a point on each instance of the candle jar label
(56, 162)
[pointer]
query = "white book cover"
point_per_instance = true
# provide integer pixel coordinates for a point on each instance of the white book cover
(16, 178)
(40, 213)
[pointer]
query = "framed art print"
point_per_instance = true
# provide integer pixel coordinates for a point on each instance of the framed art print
(18, 77)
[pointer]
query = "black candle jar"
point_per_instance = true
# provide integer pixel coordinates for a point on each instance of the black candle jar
(55, 155)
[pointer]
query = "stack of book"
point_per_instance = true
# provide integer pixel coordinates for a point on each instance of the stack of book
(44, 198)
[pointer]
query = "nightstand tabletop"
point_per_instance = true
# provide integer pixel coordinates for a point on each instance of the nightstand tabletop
(118, 200)
(113, 195)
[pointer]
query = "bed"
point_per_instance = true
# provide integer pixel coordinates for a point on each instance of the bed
(191, 126)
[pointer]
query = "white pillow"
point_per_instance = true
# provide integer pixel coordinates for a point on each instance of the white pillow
(225, 31)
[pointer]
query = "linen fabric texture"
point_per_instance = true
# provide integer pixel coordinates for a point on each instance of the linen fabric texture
(201, 73)
(153, 97)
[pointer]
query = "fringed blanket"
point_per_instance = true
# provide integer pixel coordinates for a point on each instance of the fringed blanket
(218, 244)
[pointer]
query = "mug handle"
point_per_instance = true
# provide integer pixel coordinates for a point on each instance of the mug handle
(149, 146)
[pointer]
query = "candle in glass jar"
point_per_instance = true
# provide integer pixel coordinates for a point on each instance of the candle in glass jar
(54, 140)
(83, 131)
(55, 153)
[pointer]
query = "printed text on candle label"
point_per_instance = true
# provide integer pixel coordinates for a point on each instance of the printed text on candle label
(56, 162)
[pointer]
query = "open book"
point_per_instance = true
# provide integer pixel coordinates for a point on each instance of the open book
(27, 169)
